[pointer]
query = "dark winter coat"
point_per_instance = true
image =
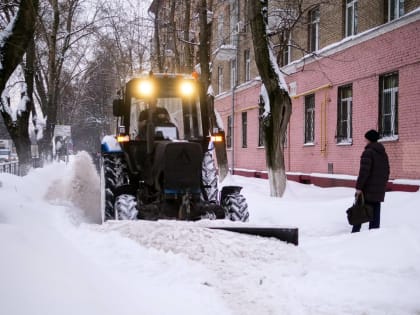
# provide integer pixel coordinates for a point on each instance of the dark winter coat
(374, 172)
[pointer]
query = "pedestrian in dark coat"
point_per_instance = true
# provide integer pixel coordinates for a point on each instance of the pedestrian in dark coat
(373, 177)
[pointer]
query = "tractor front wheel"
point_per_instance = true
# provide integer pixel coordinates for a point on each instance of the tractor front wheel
(236, 207)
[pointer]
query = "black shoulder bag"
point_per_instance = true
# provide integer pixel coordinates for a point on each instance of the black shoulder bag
(359, 212)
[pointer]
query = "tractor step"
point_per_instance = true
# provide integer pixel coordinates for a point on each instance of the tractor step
(288, 235)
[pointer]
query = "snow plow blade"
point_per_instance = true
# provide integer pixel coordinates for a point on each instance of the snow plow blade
(288, 235)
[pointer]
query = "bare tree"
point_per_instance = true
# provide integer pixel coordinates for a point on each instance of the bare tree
(16, 41)
(61, 29)
(279, 103)
(121, 50)
(126, 34)
(272, 24)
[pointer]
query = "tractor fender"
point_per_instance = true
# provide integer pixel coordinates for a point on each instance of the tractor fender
(110, 144)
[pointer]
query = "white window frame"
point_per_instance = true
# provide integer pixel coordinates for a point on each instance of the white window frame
(244, 129)
(389, 101)
(229, 132)
(220, 79)
(351, 8)
(309, 133)
(220, 29)
(314, 25)
(345, 117)
(261, 111)
(247, 60)
(286, 57)
(233, 73)
(395, 9)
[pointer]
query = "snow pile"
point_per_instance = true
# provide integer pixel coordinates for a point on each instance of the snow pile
(53, 263)
(80, 186)
(51, 266)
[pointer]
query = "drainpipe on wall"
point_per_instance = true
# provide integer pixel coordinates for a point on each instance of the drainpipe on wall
(235, 84)
(232, 139)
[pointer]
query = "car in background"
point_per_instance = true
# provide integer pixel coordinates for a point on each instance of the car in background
(14, 156)
(5, 155)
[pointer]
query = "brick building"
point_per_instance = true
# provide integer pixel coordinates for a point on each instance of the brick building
(351, 65)
(360, 71)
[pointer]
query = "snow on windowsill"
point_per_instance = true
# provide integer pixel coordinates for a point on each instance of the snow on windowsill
(389, 138)
(345, 142)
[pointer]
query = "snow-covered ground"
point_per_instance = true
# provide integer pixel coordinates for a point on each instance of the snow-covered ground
(55, 260)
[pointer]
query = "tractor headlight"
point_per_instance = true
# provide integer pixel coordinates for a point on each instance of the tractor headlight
(145, 88)
(186, 88)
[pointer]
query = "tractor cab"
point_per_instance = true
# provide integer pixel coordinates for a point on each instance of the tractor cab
(161, 106)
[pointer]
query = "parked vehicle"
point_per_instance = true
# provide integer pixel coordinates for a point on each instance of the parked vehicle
(5, 155)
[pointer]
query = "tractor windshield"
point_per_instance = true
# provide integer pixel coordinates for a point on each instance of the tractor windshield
(173, 118)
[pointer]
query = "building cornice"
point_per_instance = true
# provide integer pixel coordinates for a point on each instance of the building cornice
(244, 86)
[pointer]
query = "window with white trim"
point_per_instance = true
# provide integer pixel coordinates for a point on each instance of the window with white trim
(261, 111)
(314, 29)
(394, 9)
(233, 73)
(310, 118)
(220, 79)
(388, 104)
(247, 64)
(286, 51)
(220, 29)
(244, 129)
(229, 132)
(351, 17)
(344, 114)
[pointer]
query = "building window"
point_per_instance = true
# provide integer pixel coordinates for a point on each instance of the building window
(246, 17)
(232, 73)
(220, 30)
(351, 17)
(231, 11)
(220, 79)
(285, 136)
(344, 110)
(247, 64)
(314, 29)
(394, 9)
(229, 132)
(261, 111)
(309, 118)
(388, 105)
(285, 51)
(244, 129)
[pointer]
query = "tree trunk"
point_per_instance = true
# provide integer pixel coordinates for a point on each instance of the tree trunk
(174, 36)
(204, 55)
(156, 35)
(12, 51)
(188, 50)
(15, 44)
(275, 126)
(46, 141)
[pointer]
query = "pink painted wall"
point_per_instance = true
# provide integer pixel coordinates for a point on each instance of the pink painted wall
(246, 99)
(361, 65)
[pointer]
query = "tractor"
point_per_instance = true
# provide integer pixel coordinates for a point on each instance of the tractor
(159, 164)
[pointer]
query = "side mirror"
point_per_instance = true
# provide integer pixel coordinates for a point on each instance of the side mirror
(117, 107)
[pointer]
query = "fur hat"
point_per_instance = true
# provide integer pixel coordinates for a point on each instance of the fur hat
(372, 135)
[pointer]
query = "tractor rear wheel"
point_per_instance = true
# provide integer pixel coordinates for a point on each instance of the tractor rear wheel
(209, 176)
